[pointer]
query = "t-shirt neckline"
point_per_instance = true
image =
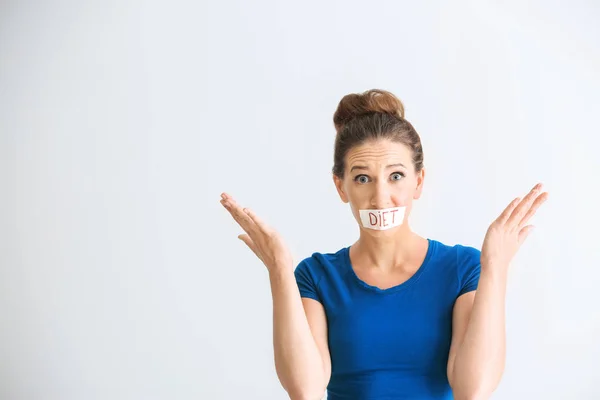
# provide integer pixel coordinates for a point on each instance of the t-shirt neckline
(407, 283)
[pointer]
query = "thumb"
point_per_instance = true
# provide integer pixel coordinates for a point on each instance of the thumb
(524, 233)
(249, 242)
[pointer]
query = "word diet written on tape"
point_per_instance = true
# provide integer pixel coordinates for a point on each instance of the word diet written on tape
(382, 219)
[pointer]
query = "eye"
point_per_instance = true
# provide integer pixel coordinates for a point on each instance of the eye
(400, 175)
(361, 179)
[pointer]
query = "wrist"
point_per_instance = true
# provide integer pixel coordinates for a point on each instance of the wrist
(280, 272)
(495, 269)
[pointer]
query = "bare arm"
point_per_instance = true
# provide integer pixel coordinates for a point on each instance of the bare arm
(477, 356)
(477, 353)
(299, 326)
(302, 358)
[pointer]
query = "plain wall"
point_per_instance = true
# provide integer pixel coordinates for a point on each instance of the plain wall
(121, 122)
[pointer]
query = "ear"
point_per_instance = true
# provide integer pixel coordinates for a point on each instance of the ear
(339, 185)
(420, 180)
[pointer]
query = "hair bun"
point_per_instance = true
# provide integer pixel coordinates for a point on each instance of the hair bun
(372, 101)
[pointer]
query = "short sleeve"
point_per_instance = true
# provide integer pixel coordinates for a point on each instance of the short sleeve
(469, 269)
(307, 280)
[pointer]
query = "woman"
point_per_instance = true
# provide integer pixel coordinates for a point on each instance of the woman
(394, 315)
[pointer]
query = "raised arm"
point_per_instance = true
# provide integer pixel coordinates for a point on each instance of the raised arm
(299, 326)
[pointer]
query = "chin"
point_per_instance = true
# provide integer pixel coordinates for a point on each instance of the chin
(386, 232)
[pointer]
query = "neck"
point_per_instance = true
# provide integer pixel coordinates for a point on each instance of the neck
(385, 251)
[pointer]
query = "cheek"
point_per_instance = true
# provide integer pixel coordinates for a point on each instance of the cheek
(403, 199)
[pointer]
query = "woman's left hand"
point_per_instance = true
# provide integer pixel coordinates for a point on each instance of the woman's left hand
(506, 234)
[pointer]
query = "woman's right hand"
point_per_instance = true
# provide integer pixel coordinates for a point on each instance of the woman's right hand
(263, 240)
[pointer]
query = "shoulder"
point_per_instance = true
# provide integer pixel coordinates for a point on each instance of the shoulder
(468, 267)
(320, 263)
(461, 261)
(467, 255)
(315, 274)
(459, 253)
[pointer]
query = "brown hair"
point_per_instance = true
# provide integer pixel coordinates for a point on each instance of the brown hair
(371, 115)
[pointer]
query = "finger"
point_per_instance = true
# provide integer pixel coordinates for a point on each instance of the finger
(508, 210)
(238, 215)
(533, 209)
(250, 243)
(523, 206)
(258, 221)
(523, 233)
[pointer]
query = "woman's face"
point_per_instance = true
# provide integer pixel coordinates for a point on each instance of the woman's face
(379, 174)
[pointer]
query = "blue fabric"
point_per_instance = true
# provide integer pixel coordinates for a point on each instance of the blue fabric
(391, 343)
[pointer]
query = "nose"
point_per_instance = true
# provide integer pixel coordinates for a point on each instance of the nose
(381, 197)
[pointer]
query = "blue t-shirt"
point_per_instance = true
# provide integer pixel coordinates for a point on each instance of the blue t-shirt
(390, 343)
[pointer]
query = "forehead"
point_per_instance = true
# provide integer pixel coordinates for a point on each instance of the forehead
(379, 152)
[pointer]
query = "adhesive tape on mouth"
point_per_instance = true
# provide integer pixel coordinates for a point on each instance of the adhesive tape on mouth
(382, 219)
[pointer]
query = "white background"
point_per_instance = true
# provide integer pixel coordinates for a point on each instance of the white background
(121, 122)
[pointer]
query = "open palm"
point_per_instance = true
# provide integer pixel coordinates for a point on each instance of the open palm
(263, 240)
(507, 233)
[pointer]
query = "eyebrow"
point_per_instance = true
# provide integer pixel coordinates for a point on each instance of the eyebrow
(389, 166)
